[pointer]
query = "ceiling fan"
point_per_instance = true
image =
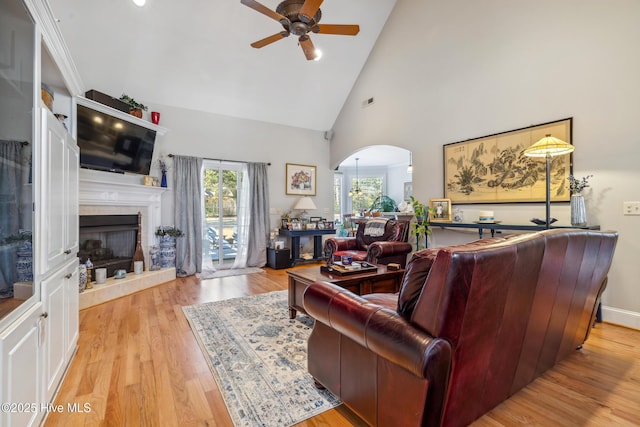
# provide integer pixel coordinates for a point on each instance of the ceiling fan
(299, 17)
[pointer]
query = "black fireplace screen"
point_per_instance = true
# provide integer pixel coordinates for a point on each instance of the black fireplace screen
(108, 240)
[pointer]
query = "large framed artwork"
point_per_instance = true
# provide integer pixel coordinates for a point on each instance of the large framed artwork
(493, 169)
(301, 180)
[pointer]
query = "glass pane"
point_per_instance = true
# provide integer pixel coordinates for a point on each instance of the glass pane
(371, 188)
(17, 39)
(221, 215)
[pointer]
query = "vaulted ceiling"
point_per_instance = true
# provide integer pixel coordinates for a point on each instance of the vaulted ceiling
(196, 54)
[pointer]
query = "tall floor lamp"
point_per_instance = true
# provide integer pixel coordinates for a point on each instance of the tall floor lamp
(549, 147)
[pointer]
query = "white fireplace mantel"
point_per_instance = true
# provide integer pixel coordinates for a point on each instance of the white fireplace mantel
(115, 198)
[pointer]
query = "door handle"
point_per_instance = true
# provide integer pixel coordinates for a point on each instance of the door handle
(44, 315)
(67, 276)
(67, 252)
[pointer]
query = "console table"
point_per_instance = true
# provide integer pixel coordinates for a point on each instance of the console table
(500, 226)
(295, 241)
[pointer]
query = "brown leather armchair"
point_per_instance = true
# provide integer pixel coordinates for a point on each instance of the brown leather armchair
(389, 247)
(471, 325)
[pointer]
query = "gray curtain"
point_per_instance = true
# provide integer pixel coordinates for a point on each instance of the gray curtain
(10, 190)
(188, 214)
(259, 214)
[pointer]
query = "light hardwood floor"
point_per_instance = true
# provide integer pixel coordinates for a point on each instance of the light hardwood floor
(138, 364)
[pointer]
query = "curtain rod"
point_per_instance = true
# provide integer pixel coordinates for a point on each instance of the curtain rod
(222, 160)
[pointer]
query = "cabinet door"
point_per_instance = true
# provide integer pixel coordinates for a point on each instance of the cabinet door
(55, 325)
(20, 370)
(59, 198)
(73, 188)
(53, 195)
(73, 308)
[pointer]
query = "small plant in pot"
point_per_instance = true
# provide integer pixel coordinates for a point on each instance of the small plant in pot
(169, 231)
(167, 253)
(135, 108)
(421, 226)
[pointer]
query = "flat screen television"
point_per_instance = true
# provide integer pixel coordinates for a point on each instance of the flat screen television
(109, 143)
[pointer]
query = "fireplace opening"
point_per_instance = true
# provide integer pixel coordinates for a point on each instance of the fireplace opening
(108, 240)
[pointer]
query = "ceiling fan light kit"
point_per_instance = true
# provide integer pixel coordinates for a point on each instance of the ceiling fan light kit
(299, 17)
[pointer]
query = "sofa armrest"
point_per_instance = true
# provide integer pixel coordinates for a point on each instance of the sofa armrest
(386, 249)
(334, 244)
(378, 329)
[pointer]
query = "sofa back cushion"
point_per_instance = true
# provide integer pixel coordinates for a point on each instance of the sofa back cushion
(417, 271)
(512, 309)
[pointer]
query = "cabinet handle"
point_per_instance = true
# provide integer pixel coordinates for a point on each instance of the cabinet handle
(67, 252)
(67, 276)
(44, 315)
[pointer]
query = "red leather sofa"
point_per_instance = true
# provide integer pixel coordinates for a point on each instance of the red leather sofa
(471, 326)
(389, 247)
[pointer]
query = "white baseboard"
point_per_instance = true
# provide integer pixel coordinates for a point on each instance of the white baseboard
(630, 319)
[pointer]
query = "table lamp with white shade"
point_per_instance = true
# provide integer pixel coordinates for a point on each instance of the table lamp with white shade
(303, 204)
(549, 147)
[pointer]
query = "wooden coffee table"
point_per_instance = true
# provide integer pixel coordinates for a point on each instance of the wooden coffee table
(382, 280)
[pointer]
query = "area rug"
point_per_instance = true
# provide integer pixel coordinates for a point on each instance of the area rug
(212, 274)
(258, 357)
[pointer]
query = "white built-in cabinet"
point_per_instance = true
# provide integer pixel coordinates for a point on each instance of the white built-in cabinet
(39, 337)
(59, 199)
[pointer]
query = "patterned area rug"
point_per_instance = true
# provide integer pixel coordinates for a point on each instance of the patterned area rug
(212, 274)
(258, 357)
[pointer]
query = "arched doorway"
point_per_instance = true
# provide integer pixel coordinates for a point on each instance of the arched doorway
(382, 170)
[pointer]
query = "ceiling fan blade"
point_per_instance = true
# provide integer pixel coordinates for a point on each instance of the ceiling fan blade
(343, 30)
(309, 8)
(268, 40)
(258, 7)
(307, 47)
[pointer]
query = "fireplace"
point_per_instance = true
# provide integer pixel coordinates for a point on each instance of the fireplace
(108, 240)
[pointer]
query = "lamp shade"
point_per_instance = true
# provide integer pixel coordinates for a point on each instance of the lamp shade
(305, 203)
(549, 145)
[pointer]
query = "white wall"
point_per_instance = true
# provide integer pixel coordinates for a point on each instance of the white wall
(471, 69)
(194, 133)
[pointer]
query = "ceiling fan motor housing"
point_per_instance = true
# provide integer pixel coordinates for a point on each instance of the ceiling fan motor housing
(299, 25)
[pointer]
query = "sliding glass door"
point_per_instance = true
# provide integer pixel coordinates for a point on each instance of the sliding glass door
(220, 239)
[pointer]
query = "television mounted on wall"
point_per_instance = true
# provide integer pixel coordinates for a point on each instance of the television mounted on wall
(110, 141)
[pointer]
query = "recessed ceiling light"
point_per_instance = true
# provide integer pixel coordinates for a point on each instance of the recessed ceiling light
(139, 2)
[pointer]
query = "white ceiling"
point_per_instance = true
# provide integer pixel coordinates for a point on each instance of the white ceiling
(196, 54)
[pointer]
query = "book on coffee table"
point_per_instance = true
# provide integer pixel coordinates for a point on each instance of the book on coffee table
(355, 268)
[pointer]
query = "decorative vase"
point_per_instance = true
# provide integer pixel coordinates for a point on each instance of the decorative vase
(24, 264)
(154, 254)
(163, 181)
(167, 251)
(578, 211)
(82, 277)
(136, 112)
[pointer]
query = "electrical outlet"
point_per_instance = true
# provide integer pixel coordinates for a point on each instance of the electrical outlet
(631, 208)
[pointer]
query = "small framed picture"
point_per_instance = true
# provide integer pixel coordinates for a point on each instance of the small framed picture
(284, 223)
(315, 219)
(320, 225)
(296, 225)
(440, 210)
(328, 225)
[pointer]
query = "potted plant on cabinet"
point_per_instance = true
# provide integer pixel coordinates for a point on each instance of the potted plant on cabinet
(421, 226)
(135, 108)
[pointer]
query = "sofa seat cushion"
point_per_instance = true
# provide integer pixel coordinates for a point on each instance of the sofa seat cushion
(355, 255)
